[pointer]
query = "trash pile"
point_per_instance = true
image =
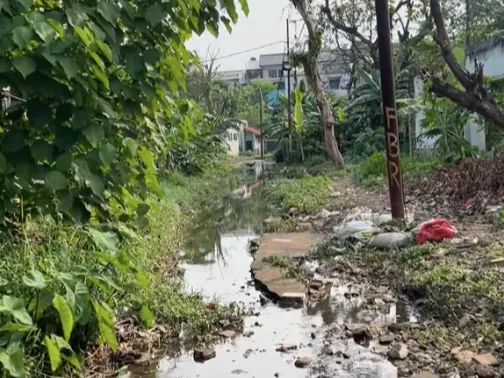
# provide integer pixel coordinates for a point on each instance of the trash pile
(363, 227)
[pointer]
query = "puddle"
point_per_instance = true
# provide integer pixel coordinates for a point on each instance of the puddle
(218, 265)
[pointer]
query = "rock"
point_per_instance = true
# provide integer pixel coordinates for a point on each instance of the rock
(292, 211)
(486, 359)
(484, 371)
(398, 351)
(465, 320)
(313, 336)
(386, 339)
(263, 300)
(342, 354)
(248, 333)
(438, 253)
(316, 284)
(247, 353)
(464, 356)
(201, 355)
(277, 375)
(387, 298)
(238, 371)
(286, 348)
(228, 334)
(362, 333)
(425, 374)
(398, 327)
(378, 301)
(328, 350)
(302, 362)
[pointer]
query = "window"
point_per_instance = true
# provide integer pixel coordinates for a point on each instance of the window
(235, 136)
(281, 85)
(334, 83)
(272, 73)
(230, 137)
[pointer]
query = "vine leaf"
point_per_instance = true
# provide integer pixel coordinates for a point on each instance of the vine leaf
(25, 65)
(22, 36)
(55, 180)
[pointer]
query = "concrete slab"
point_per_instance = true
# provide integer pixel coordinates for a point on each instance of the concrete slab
(294, 245)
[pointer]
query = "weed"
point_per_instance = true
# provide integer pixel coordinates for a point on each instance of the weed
(307, 194)
(291, 267)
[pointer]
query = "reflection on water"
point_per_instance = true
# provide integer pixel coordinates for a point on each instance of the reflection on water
(241, 211)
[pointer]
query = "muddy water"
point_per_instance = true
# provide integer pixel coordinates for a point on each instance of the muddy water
(218, 265)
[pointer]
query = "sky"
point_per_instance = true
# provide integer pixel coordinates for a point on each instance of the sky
(264, 25)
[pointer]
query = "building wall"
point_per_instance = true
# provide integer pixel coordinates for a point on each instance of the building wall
(232, 139)
(491, 54)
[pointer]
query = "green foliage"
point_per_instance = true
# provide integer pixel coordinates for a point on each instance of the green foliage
(373, 170)
(446, 122)
(93, 77)
(362, 130)
(308, 194)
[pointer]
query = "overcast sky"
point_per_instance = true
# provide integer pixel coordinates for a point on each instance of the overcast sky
(264, 25)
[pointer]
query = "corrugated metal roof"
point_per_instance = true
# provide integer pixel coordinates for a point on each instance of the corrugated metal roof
(271, 59)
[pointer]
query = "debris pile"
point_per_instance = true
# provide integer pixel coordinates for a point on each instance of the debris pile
(468, 188)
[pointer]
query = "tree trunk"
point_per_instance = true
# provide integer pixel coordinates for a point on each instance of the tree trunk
(309, 61)
(331, 145)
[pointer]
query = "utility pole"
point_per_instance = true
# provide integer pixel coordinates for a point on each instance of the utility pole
(287, 67)
(261, 123)
(392, 151)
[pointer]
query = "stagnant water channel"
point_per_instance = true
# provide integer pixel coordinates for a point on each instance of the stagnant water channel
(217, 264)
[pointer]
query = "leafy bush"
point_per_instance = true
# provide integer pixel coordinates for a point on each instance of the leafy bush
(373, 170)
(307, 194)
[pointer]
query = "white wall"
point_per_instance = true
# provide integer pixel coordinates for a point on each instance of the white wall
(492, 56)
(233, 141)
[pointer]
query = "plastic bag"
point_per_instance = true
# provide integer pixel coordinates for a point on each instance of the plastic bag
(435, 231)
(391, 240)
(361, 230)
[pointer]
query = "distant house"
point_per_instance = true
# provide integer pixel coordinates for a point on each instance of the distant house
(232, 139)
(252, 139)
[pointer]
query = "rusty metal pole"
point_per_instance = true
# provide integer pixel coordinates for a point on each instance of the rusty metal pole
(392, 145)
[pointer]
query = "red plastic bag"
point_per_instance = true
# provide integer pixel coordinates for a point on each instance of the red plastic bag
(435, 231)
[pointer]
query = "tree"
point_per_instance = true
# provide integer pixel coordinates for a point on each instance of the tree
(309, 62)
(474, 95)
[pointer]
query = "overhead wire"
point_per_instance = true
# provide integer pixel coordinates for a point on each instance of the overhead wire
(245, 51)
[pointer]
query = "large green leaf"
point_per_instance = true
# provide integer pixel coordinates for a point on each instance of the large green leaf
(109, 11)
(154, 14)
(131, 145)
(147, 316)
(231, 9)
(65, 314)
(15, 307)
(12, 360)
(244, 7)
(35, 279)
(106, 324)
(94, 133)
(45, 31)
(22, 36)
(105, 241)
(25, 3)
(63, 162)
(42, 151)
(54, 353)
(108, 153)
(55, 180)
(69, 66)
(25, 65)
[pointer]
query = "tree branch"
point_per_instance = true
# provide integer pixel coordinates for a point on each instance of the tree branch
(326, 9)
(443, 41)
(475, 97)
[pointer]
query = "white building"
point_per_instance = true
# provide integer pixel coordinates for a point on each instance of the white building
(491, 54)
(232, 139)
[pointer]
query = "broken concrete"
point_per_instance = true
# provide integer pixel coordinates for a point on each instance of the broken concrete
(288, 291)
